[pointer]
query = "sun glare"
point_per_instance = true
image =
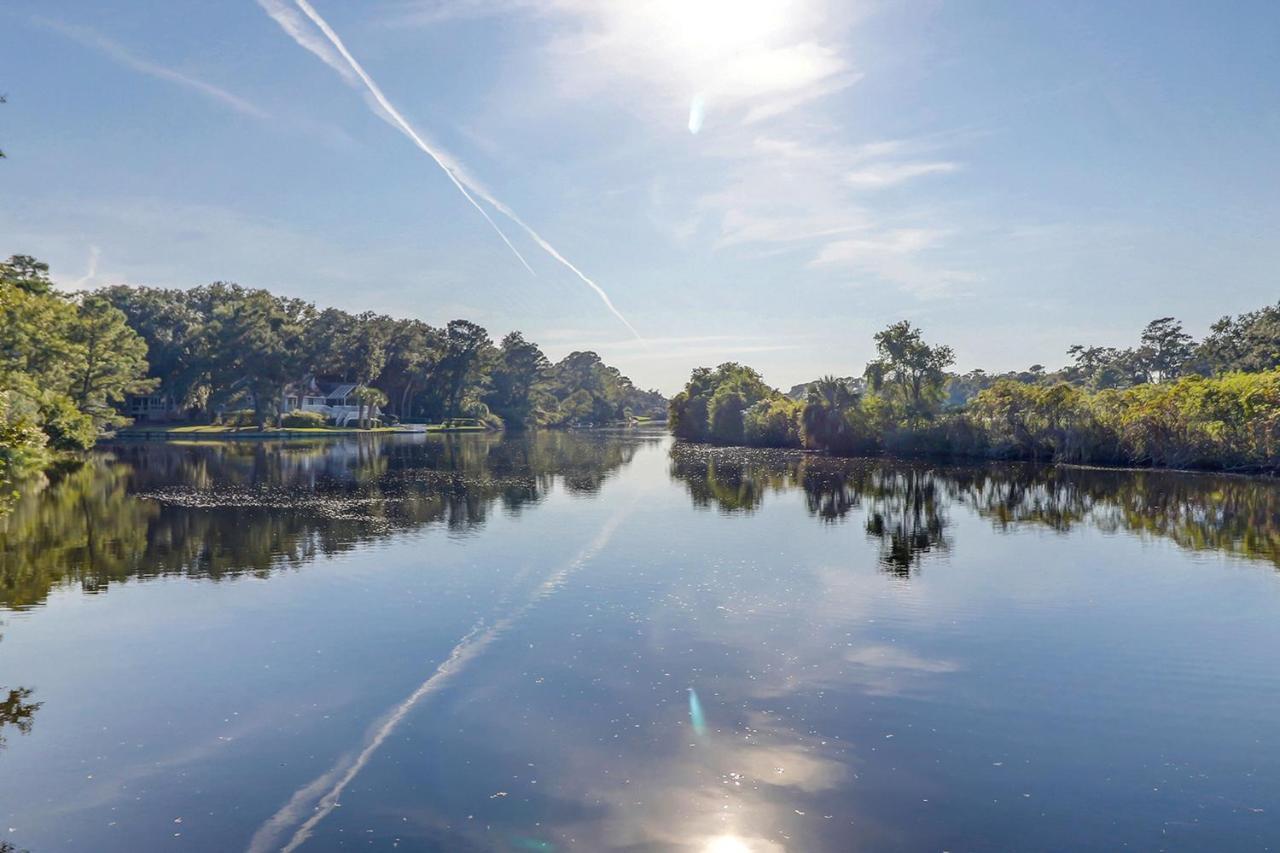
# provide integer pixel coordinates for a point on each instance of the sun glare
(726, 844)
(716, 29)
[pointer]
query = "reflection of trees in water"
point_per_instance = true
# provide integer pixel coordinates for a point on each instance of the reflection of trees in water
(16, 711)
(216, 509)
(906, 514)
(1201, 512)
(905, 503)
(902, 506)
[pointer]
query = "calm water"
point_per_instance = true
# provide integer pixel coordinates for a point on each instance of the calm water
(603, 641)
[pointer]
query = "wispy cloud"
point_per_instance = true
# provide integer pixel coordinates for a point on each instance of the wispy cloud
(468, 186)
(117, 52)
(774, 169)
(890, 174)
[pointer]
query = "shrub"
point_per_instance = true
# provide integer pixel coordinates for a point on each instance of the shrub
(773, 423)
(68, 428)
(302, 419)
(240, 418)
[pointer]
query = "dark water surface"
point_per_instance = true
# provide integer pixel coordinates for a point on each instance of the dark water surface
(606, 642)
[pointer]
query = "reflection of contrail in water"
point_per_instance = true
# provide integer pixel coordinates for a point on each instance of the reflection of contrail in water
(326, 790)
(466, 184)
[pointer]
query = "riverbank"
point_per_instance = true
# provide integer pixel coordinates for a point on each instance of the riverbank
(226, 433)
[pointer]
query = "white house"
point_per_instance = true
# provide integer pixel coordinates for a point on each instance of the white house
(336, 401)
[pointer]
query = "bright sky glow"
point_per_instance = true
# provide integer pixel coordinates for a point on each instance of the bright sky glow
(770, 181)
(726, 844)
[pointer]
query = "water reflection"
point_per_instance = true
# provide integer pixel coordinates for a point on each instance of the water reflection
(904, 505)
(17, 711)
(628, 673)
(217, 509)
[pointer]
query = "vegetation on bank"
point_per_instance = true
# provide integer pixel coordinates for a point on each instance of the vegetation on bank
(220, 346)
(1169, 402)
(66, 362)
(226, 354)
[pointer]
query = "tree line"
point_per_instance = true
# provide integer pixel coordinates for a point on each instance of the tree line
(69, 361)
(212, 346)
(1170, 401)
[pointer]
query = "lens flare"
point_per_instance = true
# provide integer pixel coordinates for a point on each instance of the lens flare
(695, 714)
(697, 111)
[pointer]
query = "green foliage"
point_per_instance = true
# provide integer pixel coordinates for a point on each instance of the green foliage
(712, 403)
(1250, 342)
(63, 364)
(240, 418)
(1172, 417)
(174, 325)
(299, 419)
(223, 346)
(909, 373)
(1227, 422)
(113, 361)
(26, 273)
(773, 423)
(833, 418)
(66, 425)
(517, 381)
(23, 444)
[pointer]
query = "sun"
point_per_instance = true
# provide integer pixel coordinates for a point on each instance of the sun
(711, 30)
(726, 844)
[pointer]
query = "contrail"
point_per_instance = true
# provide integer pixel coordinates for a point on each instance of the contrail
(467, 185)
(392, 113)
(338, 777)
(92, 273)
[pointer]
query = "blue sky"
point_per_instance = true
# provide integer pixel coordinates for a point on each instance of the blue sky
(1013, 177)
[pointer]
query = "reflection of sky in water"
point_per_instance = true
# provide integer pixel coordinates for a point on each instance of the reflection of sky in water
(640, 672)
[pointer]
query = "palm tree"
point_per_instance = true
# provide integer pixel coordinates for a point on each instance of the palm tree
(824, 417)
(368, 398)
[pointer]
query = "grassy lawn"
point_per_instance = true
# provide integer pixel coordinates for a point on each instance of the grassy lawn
(455, 428)
(215, 429)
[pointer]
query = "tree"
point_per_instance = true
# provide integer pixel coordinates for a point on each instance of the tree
(773, 423)
(725, 422)
(26, 272)
(259, 340)
(462, 365)
(1250, 342)
(516, 381)
(585, 371)
(171, 322)
(350, 347)
(732, 387)
(909, 372)
(413, 348)
(831, 417)
(1166, 349)
(368, 397)
(112, 361)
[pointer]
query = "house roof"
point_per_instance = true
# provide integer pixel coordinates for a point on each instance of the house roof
(340, 391)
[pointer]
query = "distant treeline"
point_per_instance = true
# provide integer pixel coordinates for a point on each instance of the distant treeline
(1169, 402)
(223, 345)
(68, 362)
